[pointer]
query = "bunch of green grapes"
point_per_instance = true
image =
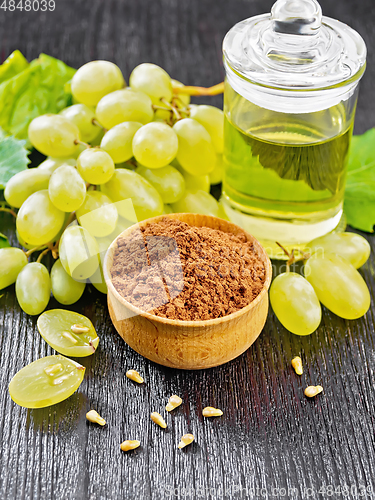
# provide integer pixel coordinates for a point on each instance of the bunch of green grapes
(331, 278)
(144, 143)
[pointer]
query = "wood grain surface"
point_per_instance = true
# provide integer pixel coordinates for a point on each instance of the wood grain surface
(271, 442)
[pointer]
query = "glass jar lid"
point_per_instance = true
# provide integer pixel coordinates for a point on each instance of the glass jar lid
(295, 47)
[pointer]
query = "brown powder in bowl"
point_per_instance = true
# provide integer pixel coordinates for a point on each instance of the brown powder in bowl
(183, 272)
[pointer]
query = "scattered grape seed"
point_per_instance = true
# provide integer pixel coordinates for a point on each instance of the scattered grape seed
(313, 390)
(186, 440)
(135, 376)
(174, 402)
(93, 416)
(158, 419)
(297, 365)
(209, 411)
(130, 445)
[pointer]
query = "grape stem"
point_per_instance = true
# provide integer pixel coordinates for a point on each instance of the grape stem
(42, 254)
(191, 90)
(97, 124)
(83, 143)
(292, 258)
(171, 108)
(9, 211)
(32, 250)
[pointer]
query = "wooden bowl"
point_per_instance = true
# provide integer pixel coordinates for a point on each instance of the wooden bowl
(189, 345)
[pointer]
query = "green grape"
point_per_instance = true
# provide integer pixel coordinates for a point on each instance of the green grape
(124, 106)
(167, 210)
(38, 220)
(33, 288)
(183, 100)
(212, 120)
(126, 184)
(168, 181)
(64, 288)
(196, 182)
(78, 252)
(353, 247)
(67, 189)
(54, 135)
(97, 214)
(61, 330)
(153, 81)
(95, 166)
(12, 261)
(23, 243)
(94, 80)
(46, 382)
(198, 202)
(196, 153)
(97, 279)
(338, 285)
(295, 303)
(98, 138)
(51, 164)
(23, 184)
(83, 117)
(216, 176)
(117, 142)
(155, 145)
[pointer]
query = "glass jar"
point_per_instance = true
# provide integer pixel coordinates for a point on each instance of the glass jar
(290, 98)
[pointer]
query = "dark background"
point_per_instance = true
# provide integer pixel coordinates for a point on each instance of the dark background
(270, 436)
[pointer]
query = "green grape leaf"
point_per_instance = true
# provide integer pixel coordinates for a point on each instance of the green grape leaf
(4, 243)
(15, 63)
(13, 158)
(36, 90)
(359, 203)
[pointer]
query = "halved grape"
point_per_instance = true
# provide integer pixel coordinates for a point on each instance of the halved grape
(353, 247)
(127, 184)
(212, 119)
(12, 261)
(338, 285)
(78, 252)
(295, 303)
(153, 81)
(67, 189)
(24, 184)
(95, 166)
(46, 382)
(83, 117)
(38, 220)
(65, 289)
(33, 288)
(196, 153)
(94, 80)
(117, 142)
(59, 329)
(155, 145)
(124, 106)
(54, 135)
(166, 180)
(198, 202)
(98, 214)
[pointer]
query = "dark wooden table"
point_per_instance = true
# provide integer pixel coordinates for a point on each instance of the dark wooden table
(271, 442)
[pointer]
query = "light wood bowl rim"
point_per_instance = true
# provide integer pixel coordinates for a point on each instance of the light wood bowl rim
(192, 323)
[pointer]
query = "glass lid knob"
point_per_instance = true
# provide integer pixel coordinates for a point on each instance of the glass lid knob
(296, 17)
